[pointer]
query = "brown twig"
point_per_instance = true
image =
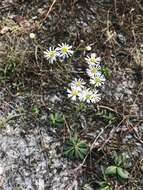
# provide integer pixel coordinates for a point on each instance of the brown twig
(111, 134)
(48, 12)
(91, 147)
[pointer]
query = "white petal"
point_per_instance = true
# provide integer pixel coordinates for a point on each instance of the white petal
(98, 59)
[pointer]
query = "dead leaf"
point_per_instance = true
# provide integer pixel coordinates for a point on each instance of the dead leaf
(5, 29)
(23, 23)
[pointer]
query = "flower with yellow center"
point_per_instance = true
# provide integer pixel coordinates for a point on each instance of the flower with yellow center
(85, 95)
(51, 55)
(73, 93)
(97, 80)
(96, 97)
(64, 50)
(89, 96)
(78, 83)
(92, 71)
(93, 59)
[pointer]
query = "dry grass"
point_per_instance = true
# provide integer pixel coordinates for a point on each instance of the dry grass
(24, 72)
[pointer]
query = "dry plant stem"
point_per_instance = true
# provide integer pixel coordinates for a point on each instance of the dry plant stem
(137, 136)
(131, 173)
(8, 118)
(115, 5)
(49, 10)
(92, 146)
(139, 4)
(139, 90)
(73, 186)
(108, 108)
(111, 134)
(13, 116)
(67, 126)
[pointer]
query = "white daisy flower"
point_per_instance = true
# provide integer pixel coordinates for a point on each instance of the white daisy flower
(93, 70)
(89, 96)
(96, 97)
(78, 83)
(97, 80)
(73, 93)
(93, 60)
(85, 95)
(51, 55)
(64, 50)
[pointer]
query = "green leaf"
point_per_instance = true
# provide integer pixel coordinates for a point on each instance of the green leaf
(35, 109)
(75, 147)
(56, 118)
(71, 153)
(102, 183)
(67, 151)
(83, 150)
(111, 170)
(120, 160)
(81, 155)
(105, 70)
(122, 173)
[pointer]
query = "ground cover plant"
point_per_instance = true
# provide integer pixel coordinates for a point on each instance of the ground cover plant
(71, 95)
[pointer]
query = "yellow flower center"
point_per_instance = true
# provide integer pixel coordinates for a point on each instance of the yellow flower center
(78, 83)
(52, 54)
(74, 92)
(98, 79)
(93, 59)
(94, 70)
(88, 97)
(64, 49)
